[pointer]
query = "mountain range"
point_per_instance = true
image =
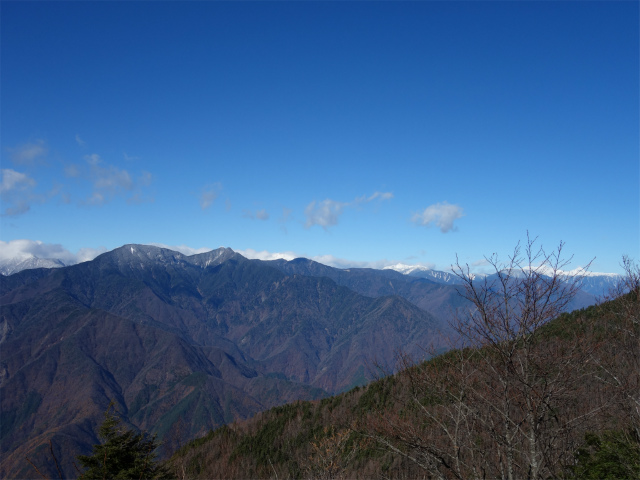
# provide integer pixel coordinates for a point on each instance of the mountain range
(181, 344)
(184, 344)
(593, 283)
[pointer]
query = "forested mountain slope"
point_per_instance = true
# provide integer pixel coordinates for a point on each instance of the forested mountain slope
(443, 418)
(182, 344)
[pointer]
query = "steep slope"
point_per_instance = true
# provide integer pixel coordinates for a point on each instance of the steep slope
(182, 344)
(354, 434)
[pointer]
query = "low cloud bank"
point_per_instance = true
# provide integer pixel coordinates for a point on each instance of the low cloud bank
(24, 249)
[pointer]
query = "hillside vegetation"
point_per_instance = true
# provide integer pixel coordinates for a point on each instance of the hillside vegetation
(555, 396)
(181, 344)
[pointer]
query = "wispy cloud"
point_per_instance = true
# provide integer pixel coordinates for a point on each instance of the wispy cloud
(442, 215)
(286, 216)
(15, 181)
(72, 171)
(17, 192)
(480, 263)
(258, 215)
(108, 181)
(376, 195)
(209, 194)
(145, 179)
(79, 141)
(28, 153)
(327, 212)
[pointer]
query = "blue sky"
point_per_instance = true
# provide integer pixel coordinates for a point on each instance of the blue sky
(357, 133)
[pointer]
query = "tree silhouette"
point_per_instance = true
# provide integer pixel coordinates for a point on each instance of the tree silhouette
(123, 453)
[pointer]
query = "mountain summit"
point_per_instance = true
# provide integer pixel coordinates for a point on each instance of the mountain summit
(182, 344)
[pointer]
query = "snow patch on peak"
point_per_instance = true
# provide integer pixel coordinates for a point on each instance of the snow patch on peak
(406, 269)
(576, 272)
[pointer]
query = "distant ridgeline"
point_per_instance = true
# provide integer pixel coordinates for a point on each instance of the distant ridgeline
(184, 344)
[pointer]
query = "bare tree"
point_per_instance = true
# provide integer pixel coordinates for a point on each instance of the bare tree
(503, 404)
(331, 455)
(529, 377)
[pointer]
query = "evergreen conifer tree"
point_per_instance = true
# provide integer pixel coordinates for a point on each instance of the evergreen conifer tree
(123, 453)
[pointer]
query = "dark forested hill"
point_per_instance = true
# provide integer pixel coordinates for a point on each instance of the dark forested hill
(181, 344)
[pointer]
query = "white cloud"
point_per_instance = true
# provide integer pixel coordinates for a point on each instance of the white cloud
(87, 253)
(12, 181)
(265, 255)
(24, 249)
(327, 212)
(323, 213)
(27, 153)
(80, 141)
(442, 215)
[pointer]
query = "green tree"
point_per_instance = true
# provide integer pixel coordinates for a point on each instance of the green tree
(608, 456)
(123, 453)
